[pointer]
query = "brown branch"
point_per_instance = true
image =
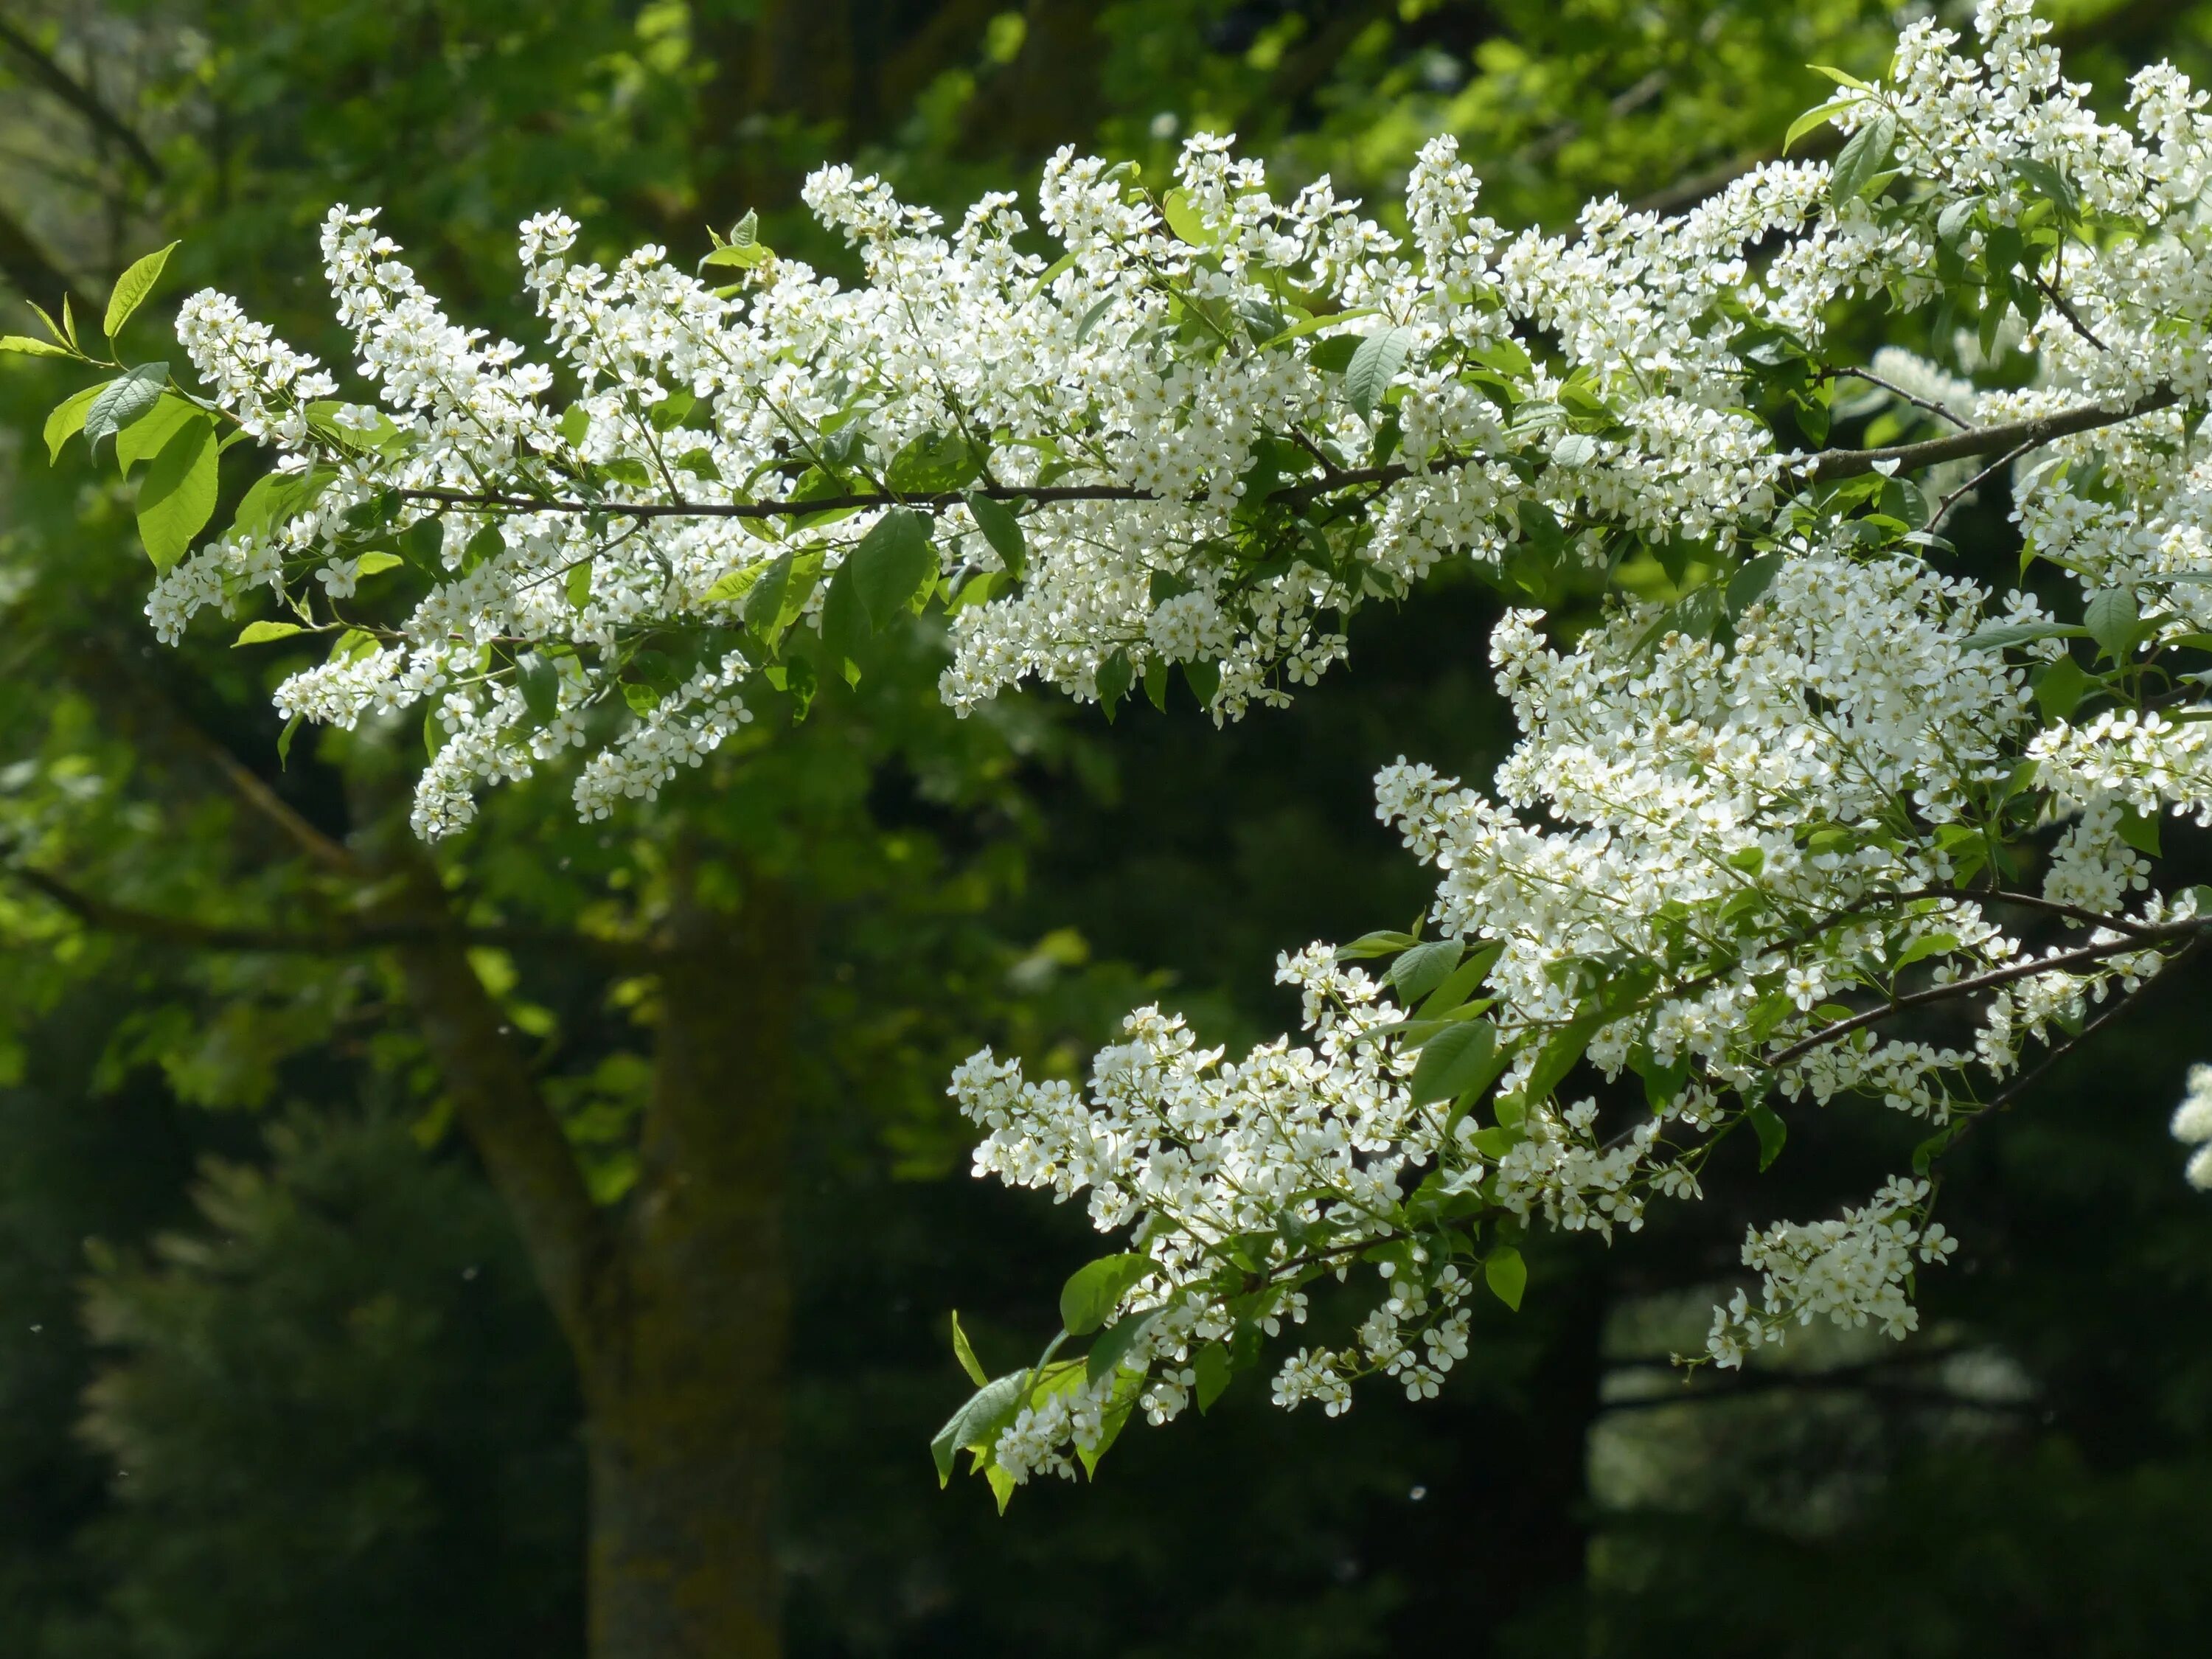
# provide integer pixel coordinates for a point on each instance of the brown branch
(1960, 987)
(573, 1249)
(1824, 466)
(80, 98)
(1898, 392)
(1830, 465)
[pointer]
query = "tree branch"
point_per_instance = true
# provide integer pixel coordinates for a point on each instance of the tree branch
(82, 99)
(1830, 465)
(1960, 987)
(1824, 466)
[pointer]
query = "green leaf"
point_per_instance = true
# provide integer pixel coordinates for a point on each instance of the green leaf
(2112, 620)
(1114, 1342)
(1214, 1372)
(1090, 318)
(764, 598)
(1113, 680)
(260, 633)
(1424, 967)
(1095, 1289)
(934, 464)
(1459, 1059)
(177, 498)
(1374, 366)
(1558, 1055)
(144, 438)
(1816, 118)
(1863, 157)
(1506, 1274)
(1771, 1131)
(31, 348)
(123, 400)
(1003, 531)
(845, 629)
(2140, 831)
(1927, 945)
(2007, 635)
(1315, 324)
(284, 743)
(1183, 217)
(575, 421)
(1839, 77)
(2059, 689)
(67, 419)
(1464, 980)
(965, 1353)
(977, 1423)
(744, 258)
(1749, 584)
(1385, 943)
(894, 568)
(132, 287)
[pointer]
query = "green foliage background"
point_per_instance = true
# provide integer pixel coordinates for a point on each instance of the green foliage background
(274, 1377)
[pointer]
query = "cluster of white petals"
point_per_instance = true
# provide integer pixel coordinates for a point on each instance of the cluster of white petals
(1799, 811)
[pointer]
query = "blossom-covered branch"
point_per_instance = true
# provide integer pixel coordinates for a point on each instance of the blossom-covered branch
(1802, 810)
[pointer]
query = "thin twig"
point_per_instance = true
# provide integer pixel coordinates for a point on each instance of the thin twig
(1958, 987)
(1898, 392)
(1935, 519)
(2066, 310)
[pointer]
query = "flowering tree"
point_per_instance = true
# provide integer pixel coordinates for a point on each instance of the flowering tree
(1804, 813)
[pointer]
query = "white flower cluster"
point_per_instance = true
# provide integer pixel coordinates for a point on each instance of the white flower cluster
(2192, 1125)
(1815, 818)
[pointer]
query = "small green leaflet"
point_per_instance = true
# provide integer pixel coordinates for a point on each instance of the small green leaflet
(68, 419)
(1374, 366)
(144, 438)
(1183, 217)
(1095, 1290)
(1815, 117)
(123, 400)
(1113, 680)
(1315, 324)
(2140, 832)
(1374, 944)
(1863, 158)
(177, 498)
(260, 633)
(964, 1353)
(1114, 1342)
(1458, 1059)
(1506, 1274)
(894, 568)
(32, 347)
(934, 464)
(1927, 945)
(1424, 967)
(132, 287)
(989, 1409)
(1003, 531)
(2113, 620)
(1771, 1131)
(2010, 634)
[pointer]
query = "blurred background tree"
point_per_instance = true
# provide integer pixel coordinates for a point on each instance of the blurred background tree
(314, 1147)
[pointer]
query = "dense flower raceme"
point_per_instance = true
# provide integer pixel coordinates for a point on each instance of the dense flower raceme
(1804, 814)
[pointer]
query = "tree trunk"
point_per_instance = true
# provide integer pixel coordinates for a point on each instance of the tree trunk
(686, 1402)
